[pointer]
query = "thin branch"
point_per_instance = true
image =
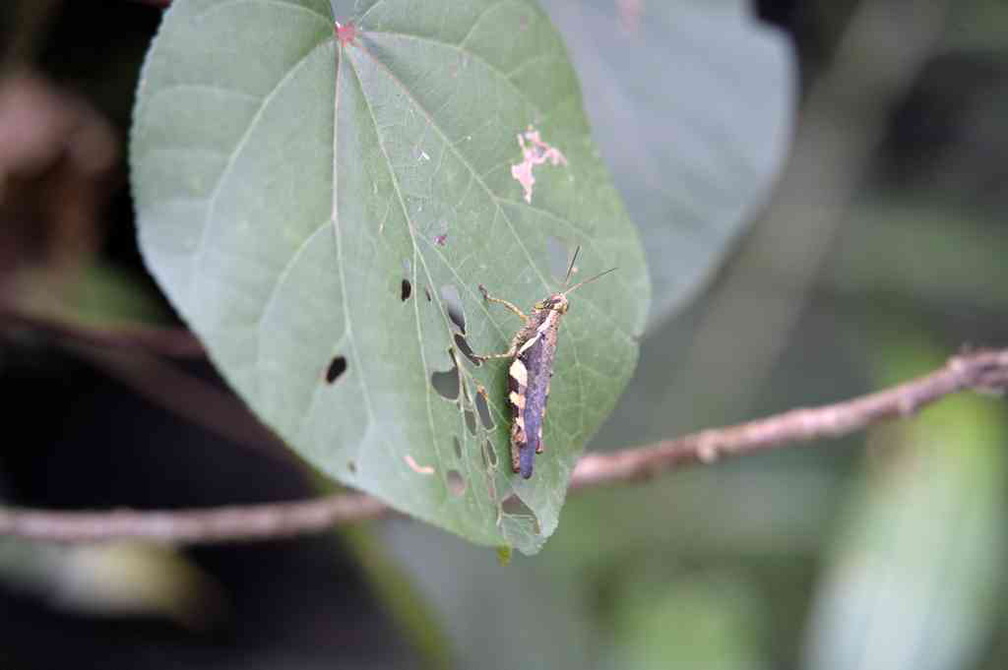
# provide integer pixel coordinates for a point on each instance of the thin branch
(984, 371)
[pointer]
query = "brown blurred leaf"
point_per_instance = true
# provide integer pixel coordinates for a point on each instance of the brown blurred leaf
(57, 156)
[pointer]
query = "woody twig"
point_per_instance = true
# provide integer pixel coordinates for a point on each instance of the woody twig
(982, 370)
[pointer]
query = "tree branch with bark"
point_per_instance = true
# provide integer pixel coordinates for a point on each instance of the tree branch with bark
(983, 371)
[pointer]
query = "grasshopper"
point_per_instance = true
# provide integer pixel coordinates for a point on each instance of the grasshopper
(532, 352)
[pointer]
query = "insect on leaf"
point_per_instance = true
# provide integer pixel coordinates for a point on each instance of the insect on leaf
(320, 204)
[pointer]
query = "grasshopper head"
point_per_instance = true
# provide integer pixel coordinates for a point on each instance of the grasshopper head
(557, 302)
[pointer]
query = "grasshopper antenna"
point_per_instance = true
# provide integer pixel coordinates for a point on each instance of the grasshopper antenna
(570, 268)
(589, 280)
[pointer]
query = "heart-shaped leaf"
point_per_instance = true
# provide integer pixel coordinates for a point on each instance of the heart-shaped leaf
(692, 103)
(321, 201)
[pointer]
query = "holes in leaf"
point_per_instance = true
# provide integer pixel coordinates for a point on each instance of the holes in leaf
(515, 505)
(337, 366)
(456, 482)
(470, 420)
(466, 350)
(406, 290)
(490, 454)
(458, 448)
(453, 305)
(447, 383)
(484, 411)
(559, 254)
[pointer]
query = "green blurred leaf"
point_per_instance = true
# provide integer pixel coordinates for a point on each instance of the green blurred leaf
(915, 579)
(692, 103)
(108, 295)
(710, 622)
(312, 207)
(114, 579)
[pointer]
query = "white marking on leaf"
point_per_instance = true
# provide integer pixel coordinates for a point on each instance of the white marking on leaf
(534, 152)
(417, 468)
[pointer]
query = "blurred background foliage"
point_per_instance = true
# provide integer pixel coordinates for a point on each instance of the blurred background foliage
(881, 250)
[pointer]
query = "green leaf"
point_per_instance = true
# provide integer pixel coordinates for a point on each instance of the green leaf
(692, 103)
(915, 577)
(322, 211)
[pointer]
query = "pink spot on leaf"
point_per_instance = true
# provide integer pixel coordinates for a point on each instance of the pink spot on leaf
(346, 33)
(534, 152)
(417, 468)
(441, 240)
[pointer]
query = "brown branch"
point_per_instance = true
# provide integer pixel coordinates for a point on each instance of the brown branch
(985, 371)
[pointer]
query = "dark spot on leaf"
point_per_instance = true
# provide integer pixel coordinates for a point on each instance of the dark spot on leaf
(458, 447)
(456, 482)
(337, 366)
(352, 467)
(406, 290)
(466, 350)
(447, 383)
(470, 420)
(453, 305)
(490, 454)
(427, 293)
(484, 411)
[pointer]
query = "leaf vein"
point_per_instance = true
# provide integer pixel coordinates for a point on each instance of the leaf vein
(227, 4)
(253, 123)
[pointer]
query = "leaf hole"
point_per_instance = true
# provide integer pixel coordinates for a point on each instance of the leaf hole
(337, 366)
(490, 454)
(466, 350)
(453, 305)
(406, 290)
(456, 482)
(458, 448)
(470, 421)
(516, 507)
(447, 384)
(483, 408)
